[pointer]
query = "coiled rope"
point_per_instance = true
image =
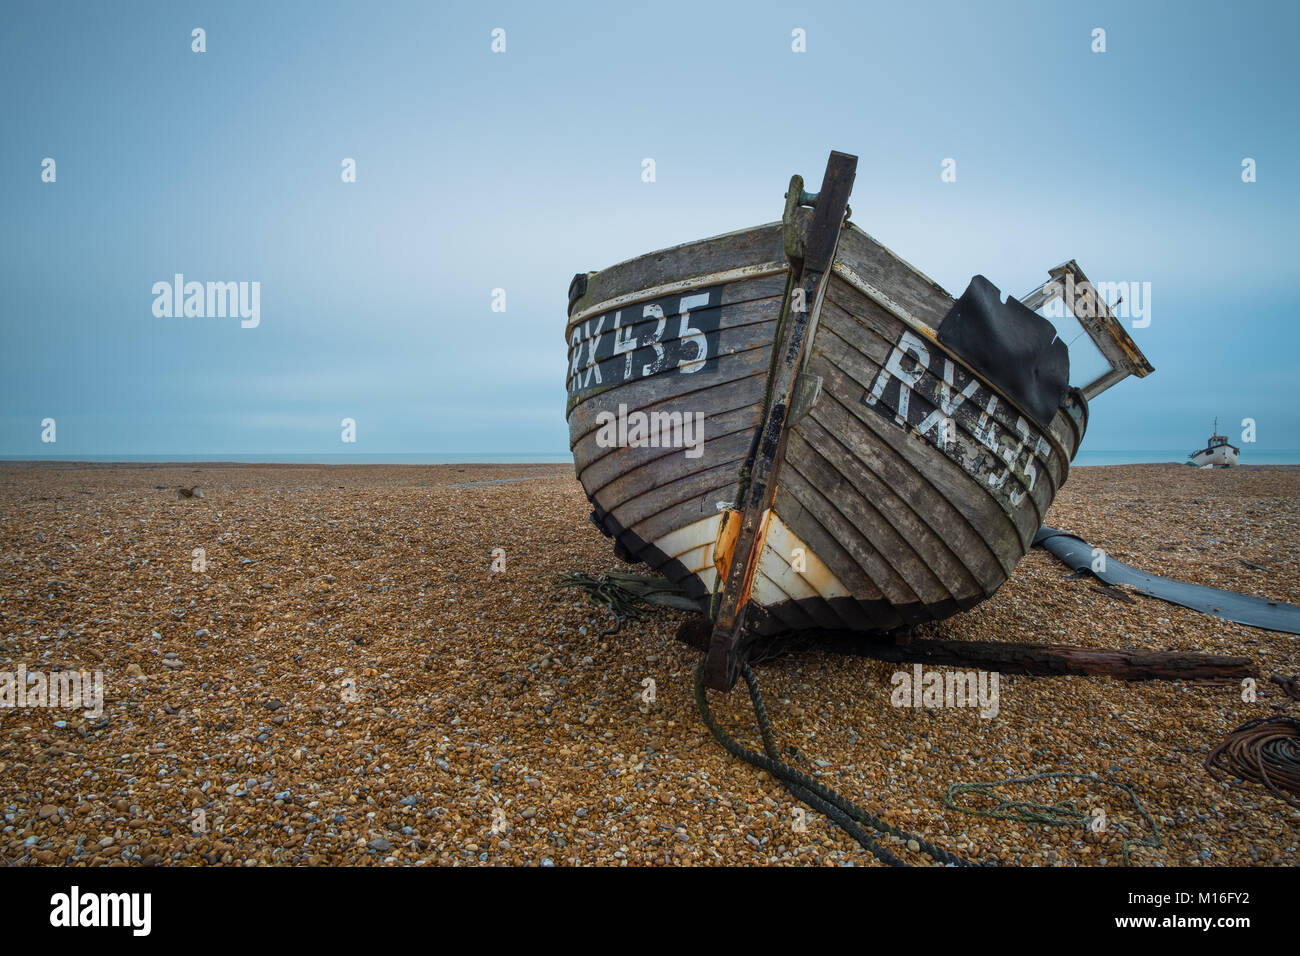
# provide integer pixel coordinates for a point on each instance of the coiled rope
(851, 818)
(1265, 750)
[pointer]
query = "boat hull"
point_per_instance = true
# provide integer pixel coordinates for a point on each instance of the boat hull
(909, 487)
(1220, 456)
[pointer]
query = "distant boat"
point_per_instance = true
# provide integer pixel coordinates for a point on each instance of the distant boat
(806, 433)
(1216, 452)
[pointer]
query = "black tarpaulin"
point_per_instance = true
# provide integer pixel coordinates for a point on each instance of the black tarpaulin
(1011, 346)
(1228, 605)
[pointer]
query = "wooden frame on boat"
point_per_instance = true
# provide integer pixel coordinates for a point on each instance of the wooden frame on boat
(1069, 284)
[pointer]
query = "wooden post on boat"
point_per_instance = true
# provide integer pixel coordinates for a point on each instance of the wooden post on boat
(810, 259)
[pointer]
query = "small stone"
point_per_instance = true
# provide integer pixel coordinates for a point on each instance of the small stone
(273, 704)
(47, 811)
(914, 846)
(380, 845)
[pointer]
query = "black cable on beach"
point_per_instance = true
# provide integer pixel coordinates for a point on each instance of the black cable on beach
(1265, 750)
(852, 818)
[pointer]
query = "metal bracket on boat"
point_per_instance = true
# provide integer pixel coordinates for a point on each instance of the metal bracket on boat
(810, 270)
(1068, 283)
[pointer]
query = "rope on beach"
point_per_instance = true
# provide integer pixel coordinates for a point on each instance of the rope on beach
(851, 818)
(1059, 814)
(1265, 750)
(628, 597)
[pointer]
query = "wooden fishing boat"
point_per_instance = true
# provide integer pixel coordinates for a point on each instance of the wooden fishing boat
(807, 434)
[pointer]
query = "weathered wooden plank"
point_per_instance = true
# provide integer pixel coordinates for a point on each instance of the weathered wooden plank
(639, 323)
(735, 294)
(644, 481)
(652, 391)
(945, 521)
(825, 545)
(828, 216)
(631, 512)
(853, 508)
(983, 512)
(916, 292)
(1048, 659)
(703, 504)
(873, 318)
(734, 250)
(929, 544)
(808, 491)
(605, 465)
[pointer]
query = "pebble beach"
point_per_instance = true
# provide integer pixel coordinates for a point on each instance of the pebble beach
(375, 665)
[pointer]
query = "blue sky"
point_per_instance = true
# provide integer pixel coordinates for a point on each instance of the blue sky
(478, 171)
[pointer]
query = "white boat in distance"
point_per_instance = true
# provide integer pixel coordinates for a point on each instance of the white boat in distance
(1216, 452)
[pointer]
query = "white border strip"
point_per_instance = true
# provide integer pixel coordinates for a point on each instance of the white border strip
(881, 299)
(681, 285)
